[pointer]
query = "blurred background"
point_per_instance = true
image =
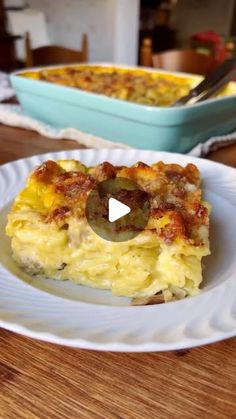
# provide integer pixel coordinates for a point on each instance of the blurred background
(118, 31)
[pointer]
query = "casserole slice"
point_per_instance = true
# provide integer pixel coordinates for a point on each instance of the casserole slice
(51, 237)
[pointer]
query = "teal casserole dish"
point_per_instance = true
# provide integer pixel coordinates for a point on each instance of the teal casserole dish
(137, 125)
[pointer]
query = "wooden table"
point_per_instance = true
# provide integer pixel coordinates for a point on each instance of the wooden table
(41, 380)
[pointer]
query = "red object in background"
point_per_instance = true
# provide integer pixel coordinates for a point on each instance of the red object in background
(209, 40)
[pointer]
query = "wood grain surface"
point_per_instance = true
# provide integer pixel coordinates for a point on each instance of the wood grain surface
(41, 380)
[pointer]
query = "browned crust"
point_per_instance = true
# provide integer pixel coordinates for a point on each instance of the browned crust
(166, 184)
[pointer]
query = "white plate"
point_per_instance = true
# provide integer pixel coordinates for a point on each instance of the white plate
(78, 316)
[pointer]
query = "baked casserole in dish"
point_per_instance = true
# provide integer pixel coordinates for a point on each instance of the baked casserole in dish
(139, 86)
(128, 105)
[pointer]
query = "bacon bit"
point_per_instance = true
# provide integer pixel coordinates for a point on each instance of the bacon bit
(47, 171)
(201, 211)
(163, 206)
(192, 174)
(57, 215)
(158, 167)
(134, 199)
(161, 209)
(178, 223)
(179, 192)
(168, 235)
(141, 165)
(176, 227)
(105, 171)
(173, 175)
(73, 183)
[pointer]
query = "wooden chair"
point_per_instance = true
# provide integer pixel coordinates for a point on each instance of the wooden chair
(53, 54)
(185, 60)
(145, 58)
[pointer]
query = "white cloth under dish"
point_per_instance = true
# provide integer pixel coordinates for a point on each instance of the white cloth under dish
(13, 115)
(213, 144)
(6, 92)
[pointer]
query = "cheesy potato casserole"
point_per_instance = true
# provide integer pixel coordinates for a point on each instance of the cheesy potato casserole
(138, 86)
(145, 87)
(51, 237)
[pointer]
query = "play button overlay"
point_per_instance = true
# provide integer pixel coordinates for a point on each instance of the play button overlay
(117, 209)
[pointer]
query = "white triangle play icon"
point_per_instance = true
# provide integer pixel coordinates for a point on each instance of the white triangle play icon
(116, 209)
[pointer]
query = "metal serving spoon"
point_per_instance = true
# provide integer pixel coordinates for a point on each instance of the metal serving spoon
(211, 84)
